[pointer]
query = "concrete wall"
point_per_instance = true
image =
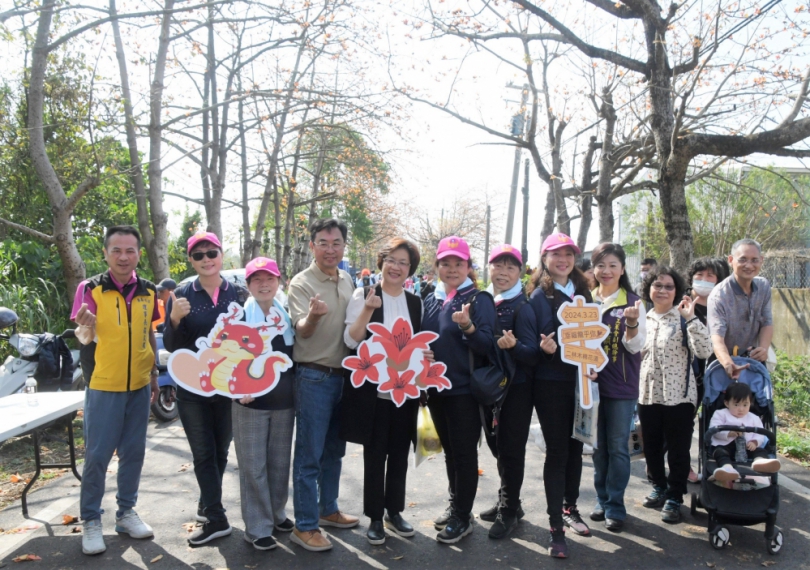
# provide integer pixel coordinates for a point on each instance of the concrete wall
(791, 318)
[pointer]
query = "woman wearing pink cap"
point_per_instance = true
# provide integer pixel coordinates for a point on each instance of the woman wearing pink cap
(555, 282)
(263, 426)
(465, 321)
(516, 333)
(193, 310)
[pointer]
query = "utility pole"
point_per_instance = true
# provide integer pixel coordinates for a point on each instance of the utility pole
(524, 241)
(486, 247)
(518, 125)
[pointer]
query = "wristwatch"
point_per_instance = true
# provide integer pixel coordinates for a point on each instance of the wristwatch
(154, 373)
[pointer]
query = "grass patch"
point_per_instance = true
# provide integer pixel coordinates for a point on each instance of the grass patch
(795, 444)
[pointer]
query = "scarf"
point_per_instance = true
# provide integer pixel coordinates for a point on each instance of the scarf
(442, 295)
(254, 314)
(506, 295)
(568, 288)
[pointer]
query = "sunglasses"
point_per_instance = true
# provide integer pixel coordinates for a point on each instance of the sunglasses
(210, 254)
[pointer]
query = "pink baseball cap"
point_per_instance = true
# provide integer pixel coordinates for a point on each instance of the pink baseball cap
(506, 249)
(203, 236)
(557, 241)
(453, 245)
(262, 264)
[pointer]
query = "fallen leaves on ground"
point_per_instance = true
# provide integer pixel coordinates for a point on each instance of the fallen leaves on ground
(480, 472)
(76, 530)
(711, 564)
(411, 504)
(23, 528)
(189, 526)
(69, 519)
(15, 478)
(400, 557)
(184, 467)
(769, 563)
(156, 558)
(26, 558)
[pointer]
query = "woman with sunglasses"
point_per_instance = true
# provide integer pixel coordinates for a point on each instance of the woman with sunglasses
(370, 417)
(667, 387)
(557, 281)
(465, 321)
(193, 309)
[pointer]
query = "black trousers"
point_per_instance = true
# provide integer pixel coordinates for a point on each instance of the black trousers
(668, 429)
(509, 444)
(555, 404)
(458, 424)
(724, 454)
(384, 486)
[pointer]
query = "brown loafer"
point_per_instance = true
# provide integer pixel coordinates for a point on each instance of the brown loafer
(311, 540)
(340, 520)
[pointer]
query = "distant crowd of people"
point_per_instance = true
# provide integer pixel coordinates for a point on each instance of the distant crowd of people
(657, 325)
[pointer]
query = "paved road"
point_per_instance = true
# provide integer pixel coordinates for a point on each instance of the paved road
(168, 499)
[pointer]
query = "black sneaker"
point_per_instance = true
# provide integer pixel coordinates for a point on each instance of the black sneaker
(286, 526)
(598, 513)
(441, 521)
(503, 525)
(558, 547)
(457, 528)
(490, 514)
(265, 543)
(399, 525)
(376, 533)
(573, 520)
(671, 513)
(209, 531)
(656, 498)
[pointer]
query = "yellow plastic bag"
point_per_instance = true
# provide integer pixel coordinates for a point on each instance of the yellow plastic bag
(427, 439)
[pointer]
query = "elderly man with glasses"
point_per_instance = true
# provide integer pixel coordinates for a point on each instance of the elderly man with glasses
(318, 299)
(739, 309)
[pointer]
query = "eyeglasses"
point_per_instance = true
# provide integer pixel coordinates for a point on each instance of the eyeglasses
(392, 261)
(746, 261)
(326, 246)
(662, 287)
(210, 254)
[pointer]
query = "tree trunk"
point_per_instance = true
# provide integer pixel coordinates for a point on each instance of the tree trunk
(61, 206)
(243, 158)
(155, 170)
(136, 168)
(606, 166)
(586, 197)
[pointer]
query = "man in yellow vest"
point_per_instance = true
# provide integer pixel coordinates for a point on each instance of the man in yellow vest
(115, 311)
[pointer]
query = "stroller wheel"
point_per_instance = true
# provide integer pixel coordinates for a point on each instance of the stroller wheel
(719, 538)
(774, 545)
(694, 504)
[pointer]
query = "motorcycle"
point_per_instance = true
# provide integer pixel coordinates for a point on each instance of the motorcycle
(17, 369)
(165, 407)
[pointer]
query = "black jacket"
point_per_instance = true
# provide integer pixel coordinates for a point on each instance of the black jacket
(357, 405)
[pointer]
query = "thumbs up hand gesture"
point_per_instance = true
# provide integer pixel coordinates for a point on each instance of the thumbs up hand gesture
(180, 308)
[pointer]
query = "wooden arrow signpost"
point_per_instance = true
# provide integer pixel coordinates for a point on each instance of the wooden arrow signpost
(581, 335)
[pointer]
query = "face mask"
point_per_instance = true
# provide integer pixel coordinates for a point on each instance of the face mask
(702, 288)
(642, 275)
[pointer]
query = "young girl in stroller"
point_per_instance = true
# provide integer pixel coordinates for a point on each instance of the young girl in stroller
(728, 446)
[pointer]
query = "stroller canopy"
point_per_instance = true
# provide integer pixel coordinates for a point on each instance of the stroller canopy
(756, 376)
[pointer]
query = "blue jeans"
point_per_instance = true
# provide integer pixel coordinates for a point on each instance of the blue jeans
(209, 430)
(113, 420)
(611, 458)
(319, 450)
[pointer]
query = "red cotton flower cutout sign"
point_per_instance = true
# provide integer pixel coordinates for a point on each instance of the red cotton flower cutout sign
(393, 360)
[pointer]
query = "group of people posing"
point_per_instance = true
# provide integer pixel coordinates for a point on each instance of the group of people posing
(655, 334)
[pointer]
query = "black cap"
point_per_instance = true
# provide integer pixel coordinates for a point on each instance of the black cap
(167, 284)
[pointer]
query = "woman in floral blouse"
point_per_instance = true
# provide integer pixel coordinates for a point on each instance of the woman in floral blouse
(667, 388)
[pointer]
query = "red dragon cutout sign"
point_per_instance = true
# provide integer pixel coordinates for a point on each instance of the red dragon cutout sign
(392, 359)
(236, 358)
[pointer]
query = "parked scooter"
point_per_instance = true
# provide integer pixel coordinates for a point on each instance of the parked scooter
(16, 370)
(165, 407)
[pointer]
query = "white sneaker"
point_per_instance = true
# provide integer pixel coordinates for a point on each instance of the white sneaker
(93, 537)
(726, 473)
(766, 465)
(132, 524)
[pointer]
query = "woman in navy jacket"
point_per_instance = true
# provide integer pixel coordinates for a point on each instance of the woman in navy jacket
(555, 282)
(464, 324)
(516, 333)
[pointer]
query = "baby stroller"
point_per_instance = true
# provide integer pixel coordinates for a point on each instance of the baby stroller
(748, 503)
